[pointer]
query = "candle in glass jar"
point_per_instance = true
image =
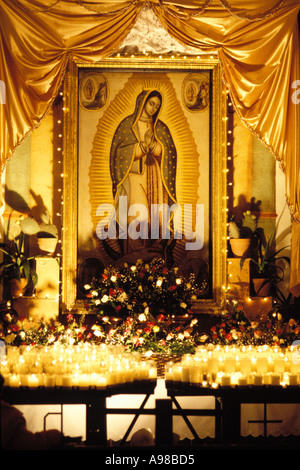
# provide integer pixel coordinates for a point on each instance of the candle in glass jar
(49, 380)
(101, 382)
(257, 379)
(245, 365)
(84, 381)
(67, 380)
(195, 374)
(226, 379)
(33, 381)
(293, 379)
(14, 380)
(177, 373)
(275, 379)
(262, 365)
(242, 381)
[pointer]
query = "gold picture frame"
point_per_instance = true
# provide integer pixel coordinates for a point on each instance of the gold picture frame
(96, 99)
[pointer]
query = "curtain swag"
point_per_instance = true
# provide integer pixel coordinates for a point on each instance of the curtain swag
(257, 44)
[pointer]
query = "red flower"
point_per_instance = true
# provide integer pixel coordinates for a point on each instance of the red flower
(147, 330)
(213, 329)
(228, 337)
(118, 308)
(112, 292)
(161, 317)
(105, 276)
(129, 321)
(171, 288)
(165, 270)
(69, 317)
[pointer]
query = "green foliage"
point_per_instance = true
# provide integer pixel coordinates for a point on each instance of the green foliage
(17, 264)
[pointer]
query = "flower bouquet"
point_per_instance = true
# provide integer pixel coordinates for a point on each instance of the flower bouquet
(150, 289)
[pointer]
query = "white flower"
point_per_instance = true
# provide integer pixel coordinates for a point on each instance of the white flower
(87, 286)
(203, 338)
(133, 268)
(113, 278)
(94, 293)
(142, 317)
(98, 333)
(104, 299)
(178, 281)
(122, 297)
(97, 302)
(159, 282)
(148, 353)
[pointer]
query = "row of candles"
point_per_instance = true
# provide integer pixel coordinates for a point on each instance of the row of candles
(100, 366)
(80, 366)
(230, 366)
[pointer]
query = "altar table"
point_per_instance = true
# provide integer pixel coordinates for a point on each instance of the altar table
(226, 412)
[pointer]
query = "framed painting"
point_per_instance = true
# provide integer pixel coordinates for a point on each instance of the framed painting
(145, 171)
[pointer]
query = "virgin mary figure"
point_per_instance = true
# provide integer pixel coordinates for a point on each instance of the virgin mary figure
(143, 161)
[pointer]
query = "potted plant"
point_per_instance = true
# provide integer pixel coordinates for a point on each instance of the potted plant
(45, 232)
(242, 233)
(266, 273)
(17, 267)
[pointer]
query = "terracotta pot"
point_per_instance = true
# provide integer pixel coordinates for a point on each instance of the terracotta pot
(239, 246)
(17, 287)
(260, 289)
(47, 244)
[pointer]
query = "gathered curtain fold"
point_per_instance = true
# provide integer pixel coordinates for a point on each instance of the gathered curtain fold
(257, 44)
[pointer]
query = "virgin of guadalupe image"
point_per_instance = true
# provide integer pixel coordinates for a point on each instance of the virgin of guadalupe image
(143, 161)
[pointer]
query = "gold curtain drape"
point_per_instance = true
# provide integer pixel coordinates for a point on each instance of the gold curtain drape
(257, 43)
